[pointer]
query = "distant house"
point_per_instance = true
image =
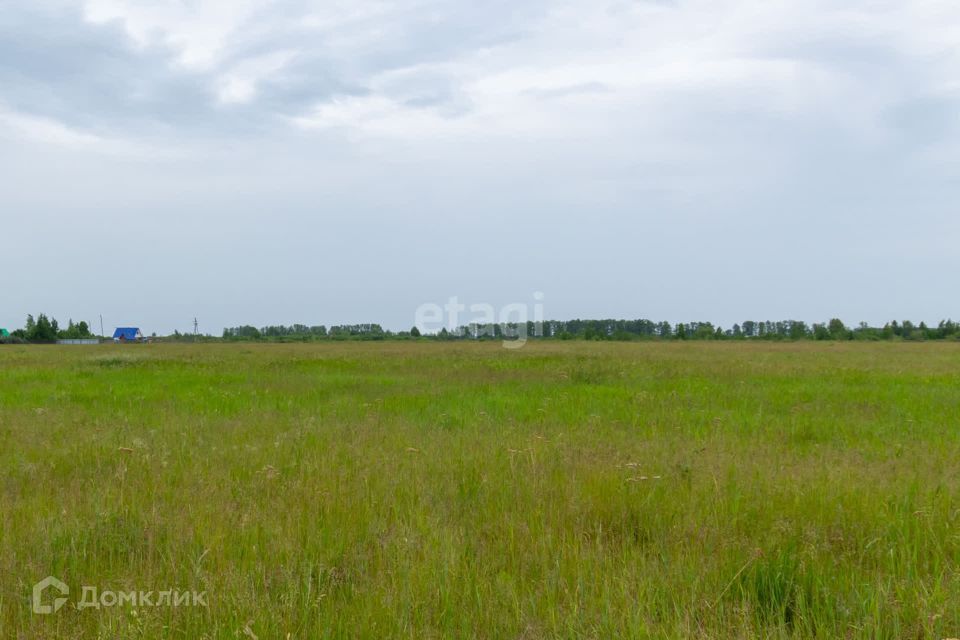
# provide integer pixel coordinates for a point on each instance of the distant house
(127, 334)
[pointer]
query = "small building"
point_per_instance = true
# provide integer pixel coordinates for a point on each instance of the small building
(4, 333)
(127, 334)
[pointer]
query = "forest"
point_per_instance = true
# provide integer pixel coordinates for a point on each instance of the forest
(44, 329)
(611, 329)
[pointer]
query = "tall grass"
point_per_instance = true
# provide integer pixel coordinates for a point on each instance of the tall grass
(566, 490)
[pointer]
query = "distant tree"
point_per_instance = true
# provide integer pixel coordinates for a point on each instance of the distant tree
(798, 330)
(78, 331)
(415, 332)
(947, 329)
(43, 329)
(820, 332)
(837, 330)
(245, 332)
(704, 331)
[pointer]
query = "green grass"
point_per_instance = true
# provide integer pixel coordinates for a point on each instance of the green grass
(572, 490)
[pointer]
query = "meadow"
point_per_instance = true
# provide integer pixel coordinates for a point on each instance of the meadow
(431, 490)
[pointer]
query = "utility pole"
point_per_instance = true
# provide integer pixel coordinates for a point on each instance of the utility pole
(194, 326)
(101, 326)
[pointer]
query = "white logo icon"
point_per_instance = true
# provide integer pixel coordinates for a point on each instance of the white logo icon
(43, 585)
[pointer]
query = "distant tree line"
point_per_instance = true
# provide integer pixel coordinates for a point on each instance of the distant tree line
(44, 329)
(301, 332)
(611, 329)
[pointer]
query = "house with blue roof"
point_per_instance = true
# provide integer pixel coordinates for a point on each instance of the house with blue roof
(127, 334)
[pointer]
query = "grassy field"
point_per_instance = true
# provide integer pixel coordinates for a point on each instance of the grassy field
(571, 490)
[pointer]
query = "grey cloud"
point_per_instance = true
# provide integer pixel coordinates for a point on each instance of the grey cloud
(570, 90)
(90, 77)
(93, 77)
(926, 119)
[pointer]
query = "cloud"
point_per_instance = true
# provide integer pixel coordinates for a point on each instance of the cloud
(245, 67)
(238, 85)
(46, 131)
(677, 87)
(49, 133)
(199, 33)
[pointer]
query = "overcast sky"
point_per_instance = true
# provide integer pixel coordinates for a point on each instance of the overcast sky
(347, 161)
